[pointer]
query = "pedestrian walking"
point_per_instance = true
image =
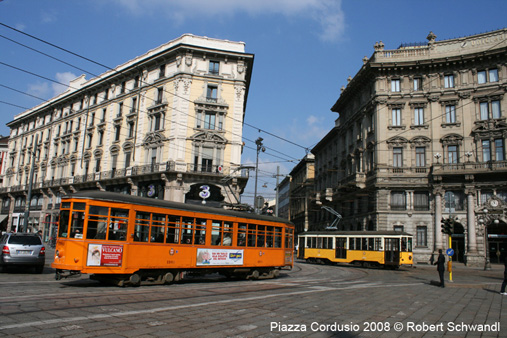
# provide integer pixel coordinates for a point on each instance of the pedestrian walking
(504, 284)
(440, 263)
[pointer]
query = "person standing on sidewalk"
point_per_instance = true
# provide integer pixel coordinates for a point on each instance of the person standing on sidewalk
(504, 284)
(440, 263)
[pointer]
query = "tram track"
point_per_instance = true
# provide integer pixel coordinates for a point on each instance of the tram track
(292, 281)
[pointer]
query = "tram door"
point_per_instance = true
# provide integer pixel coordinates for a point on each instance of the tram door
(341, 247)
(392, 251)
(301, 248)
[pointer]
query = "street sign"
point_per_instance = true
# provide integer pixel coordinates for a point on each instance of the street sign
(450, 252)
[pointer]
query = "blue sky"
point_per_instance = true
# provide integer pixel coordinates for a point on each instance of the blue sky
(304, 52)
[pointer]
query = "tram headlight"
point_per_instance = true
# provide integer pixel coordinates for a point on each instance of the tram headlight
(57, 253)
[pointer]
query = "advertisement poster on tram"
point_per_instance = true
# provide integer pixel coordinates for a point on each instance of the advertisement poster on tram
(104, 255)
(219, 257)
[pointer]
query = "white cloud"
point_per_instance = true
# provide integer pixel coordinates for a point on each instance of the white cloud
(20, 27)
(307, 134)
(327, 13)
(40, 89)
(64, 78)
(48, 17)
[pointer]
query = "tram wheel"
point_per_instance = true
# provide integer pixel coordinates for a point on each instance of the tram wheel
(254, 275)
(168, 278)
(135, 279)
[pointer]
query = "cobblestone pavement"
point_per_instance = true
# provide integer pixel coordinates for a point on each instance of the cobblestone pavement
(317, 300)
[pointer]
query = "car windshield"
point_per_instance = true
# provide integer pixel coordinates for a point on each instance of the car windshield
(25, 240)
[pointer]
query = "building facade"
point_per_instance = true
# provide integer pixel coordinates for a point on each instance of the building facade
(167, 125)
(301, 191)
(420, 137)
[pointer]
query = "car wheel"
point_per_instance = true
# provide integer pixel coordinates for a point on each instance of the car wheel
(39, 268)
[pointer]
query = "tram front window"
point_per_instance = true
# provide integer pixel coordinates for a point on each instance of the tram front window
(63, 228)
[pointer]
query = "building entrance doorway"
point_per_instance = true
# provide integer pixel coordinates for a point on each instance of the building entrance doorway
(497, 242)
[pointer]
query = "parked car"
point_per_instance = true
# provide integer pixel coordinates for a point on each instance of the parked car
(22, 249)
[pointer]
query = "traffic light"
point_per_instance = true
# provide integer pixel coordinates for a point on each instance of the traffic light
(448, 226)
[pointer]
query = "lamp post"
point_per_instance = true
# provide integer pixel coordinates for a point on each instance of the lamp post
(260, 148)
(487, 263)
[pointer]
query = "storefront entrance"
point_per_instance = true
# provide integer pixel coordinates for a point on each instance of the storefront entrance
(497, 242)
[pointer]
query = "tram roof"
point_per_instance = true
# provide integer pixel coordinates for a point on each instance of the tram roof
(356, 233)
(123, 198)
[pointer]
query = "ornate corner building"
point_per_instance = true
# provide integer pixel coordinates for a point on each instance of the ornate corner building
(167, 125)
(421, 136)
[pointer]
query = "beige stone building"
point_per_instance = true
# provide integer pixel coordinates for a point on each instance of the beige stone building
(167, 125)
(421, 136)
(301, 208)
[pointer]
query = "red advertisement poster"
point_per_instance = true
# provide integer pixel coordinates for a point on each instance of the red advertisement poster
(104, 255)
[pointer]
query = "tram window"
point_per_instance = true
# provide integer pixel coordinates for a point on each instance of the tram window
(370, 244)
(324, 243)
(378, 244)
(261, 235)
(241, 234)
(269, 237)
(118, 225)
(173, 229)
(319, 242)
(358, 243)
(278, 237)
(96, 210)
(63, 227)
(77, 223)
(227, 234)
(79, 206)
(251, 234)
(187, 230)
(97, 222)
(157, 228)
(200, 231)
(289, 238)
(216, 232)
(65, 205)
(352, 243)
(314, 243)
(406, 244)
(142, 227)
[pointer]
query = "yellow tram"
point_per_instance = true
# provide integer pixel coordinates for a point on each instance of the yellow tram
(366, 248)
(128, 239)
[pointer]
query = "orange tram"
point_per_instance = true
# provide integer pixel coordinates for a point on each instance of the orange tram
(127, 239)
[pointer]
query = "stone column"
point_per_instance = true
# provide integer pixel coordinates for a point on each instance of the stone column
(438, 218)
(472, 239)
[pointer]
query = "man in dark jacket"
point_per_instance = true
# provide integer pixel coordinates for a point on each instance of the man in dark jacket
(440, 263)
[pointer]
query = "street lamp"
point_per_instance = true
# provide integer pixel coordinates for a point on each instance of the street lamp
(487, 263)
(260, 148)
